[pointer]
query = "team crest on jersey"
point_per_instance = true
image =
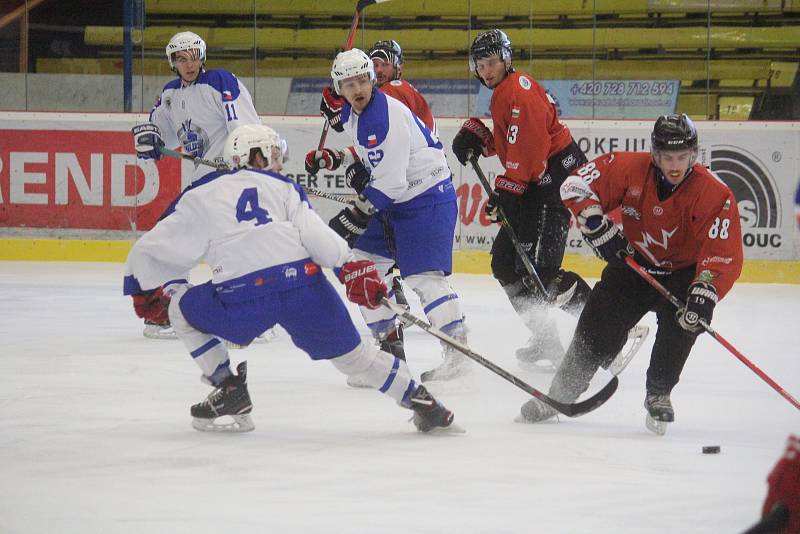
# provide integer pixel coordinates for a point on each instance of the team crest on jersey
(193, 139)
(525, 83)
(647, 240)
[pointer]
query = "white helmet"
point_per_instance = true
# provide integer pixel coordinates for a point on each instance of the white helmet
(245, 138)
(185, 41)
(351, 63)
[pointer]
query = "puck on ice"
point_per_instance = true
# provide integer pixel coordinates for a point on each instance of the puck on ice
(711, 449)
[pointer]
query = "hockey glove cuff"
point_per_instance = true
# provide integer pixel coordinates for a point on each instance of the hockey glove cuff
(147, 141)
(507, 195)
(331, 108)
(349, 223)
(362, 283)
(701, 298)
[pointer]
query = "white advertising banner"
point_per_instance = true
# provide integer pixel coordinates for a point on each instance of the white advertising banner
(757, 160)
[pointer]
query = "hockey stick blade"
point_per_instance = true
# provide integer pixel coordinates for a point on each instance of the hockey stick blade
(365, 3)
(569, 409)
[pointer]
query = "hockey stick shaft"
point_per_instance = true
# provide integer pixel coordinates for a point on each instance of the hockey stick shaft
(724, 342)
(224, 167)
(571, 410)
(361, 5)
(526, 261)
(195, 159)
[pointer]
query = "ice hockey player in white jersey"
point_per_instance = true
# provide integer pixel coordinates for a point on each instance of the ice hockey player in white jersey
(195, 112)
(410, 210)
(266, 248)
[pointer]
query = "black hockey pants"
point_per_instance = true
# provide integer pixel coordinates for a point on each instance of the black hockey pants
(617, 302)
(541, 225)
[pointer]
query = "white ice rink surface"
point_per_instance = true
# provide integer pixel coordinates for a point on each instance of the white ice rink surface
(95, 433)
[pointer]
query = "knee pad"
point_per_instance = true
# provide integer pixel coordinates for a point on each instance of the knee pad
(441, 304)
(179, 322)
(377, 369)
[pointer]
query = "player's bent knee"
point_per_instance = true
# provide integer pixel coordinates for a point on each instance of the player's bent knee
(377, 369)
(441, 303)
(176, 317)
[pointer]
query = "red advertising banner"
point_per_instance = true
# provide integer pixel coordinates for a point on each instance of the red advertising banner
(81, 179)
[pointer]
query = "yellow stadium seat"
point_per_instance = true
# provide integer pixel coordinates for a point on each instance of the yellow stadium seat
(698, 106)
(735, 108)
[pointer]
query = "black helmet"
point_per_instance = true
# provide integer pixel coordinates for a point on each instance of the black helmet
(674, 132)
(388, 51)
(490, 43)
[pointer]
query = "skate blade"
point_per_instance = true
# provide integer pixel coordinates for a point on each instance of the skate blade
(656, 427)
(160, 334)
(236, 423)
(636, 337)
(523, 421)
(452, 428)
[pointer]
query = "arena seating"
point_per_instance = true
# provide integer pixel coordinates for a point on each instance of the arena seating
(752, 46)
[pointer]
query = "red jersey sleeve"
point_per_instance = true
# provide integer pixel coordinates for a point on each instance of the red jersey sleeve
(719, 232)
(603, 181)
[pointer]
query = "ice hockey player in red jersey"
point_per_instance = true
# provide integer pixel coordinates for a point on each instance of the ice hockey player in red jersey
(538, 153)
(682, 225)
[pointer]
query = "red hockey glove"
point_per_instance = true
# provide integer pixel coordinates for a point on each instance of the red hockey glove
(507, 194)
(363, 285)
(473, 138)
(331, 107)
(152, 306)
(784, 486)
(323, 159)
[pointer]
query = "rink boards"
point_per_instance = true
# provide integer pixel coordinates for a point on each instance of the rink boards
(71, 188)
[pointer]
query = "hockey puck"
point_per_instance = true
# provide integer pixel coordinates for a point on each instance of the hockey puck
(711, 449)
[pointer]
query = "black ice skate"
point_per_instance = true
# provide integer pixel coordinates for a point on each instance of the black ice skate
(659, 413)
(231, 398)
(430, 414)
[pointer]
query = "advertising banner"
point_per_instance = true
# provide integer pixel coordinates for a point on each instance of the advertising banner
(602, 99)
(61, 172)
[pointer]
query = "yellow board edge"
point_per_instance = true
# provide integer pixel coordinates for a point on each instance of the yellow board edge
(464, 261)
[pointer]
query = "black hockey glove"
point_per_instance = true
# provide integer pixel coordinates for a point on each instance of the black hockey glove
(357, 176)
(349, 223)
(700, 301)
(323, 159)
(331, 107)
(147, 141)
(607, 239)
(507, 195)
(473, 138)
